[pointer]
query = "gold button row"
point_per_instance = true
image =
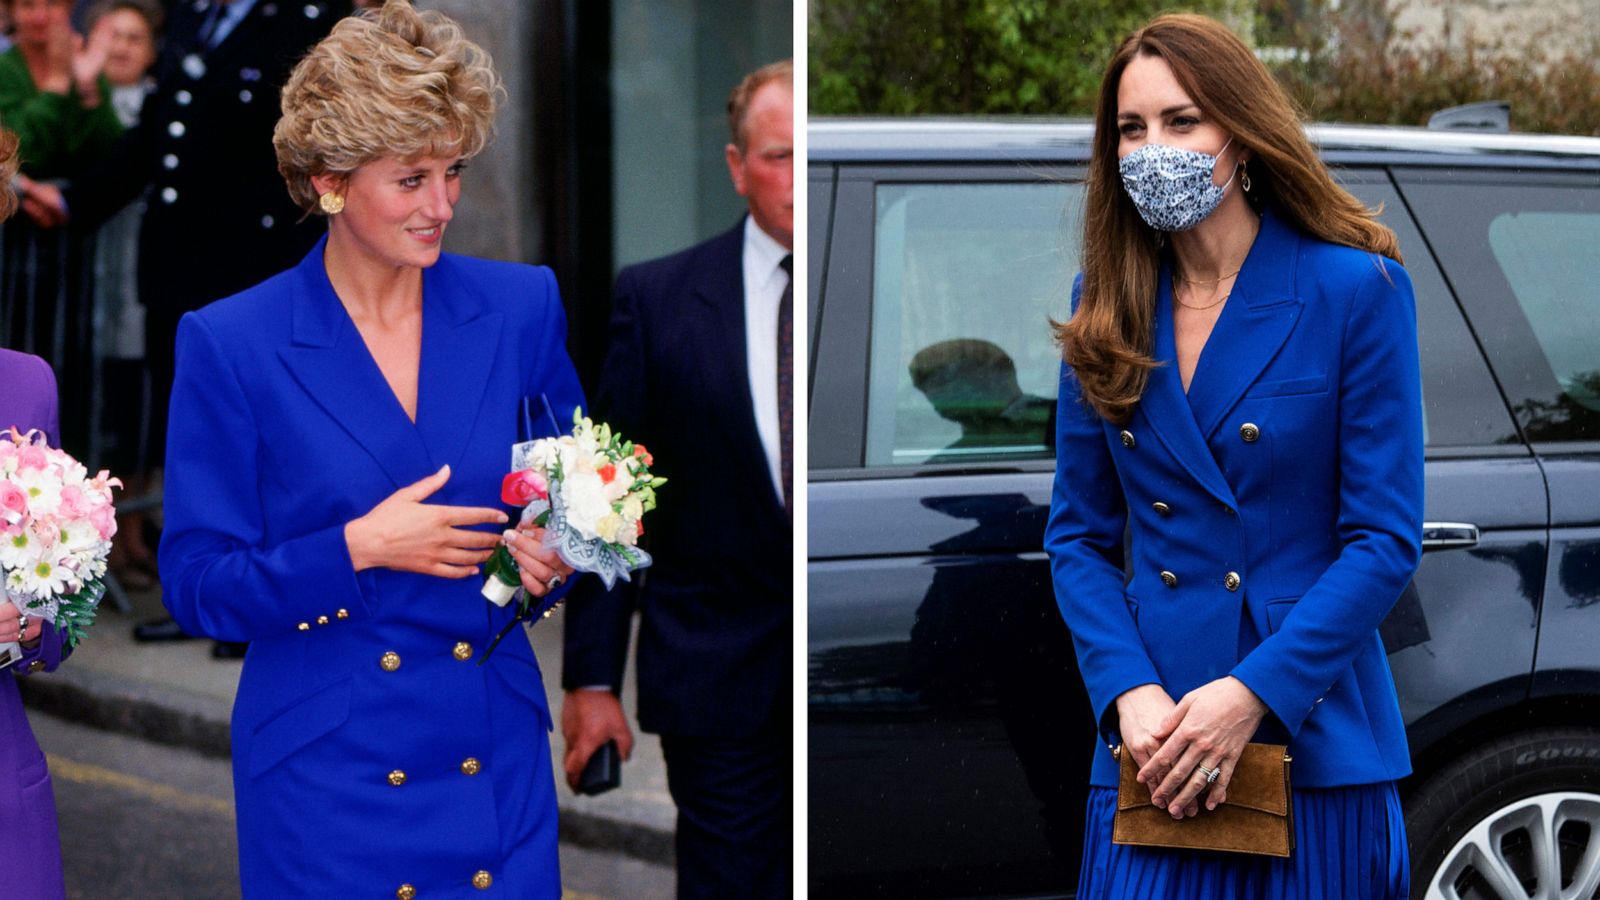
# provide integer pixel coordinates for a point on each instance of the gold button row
(469, 766)
(1250, 432)
(480, 880)
(323, 620)
(390, 660)
(1231, 581)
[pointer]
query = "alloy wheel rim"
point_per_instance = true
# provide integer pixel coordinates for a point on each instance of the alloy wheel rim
(1544, 847)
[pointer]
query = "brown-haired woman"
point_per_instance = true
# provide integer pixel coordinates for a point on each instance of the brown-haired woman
(1241, 392)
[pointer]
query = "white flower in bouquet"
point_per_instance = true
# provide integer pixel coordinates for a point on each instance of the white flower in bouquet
(610, 528)
(56, 524)
(586, 502)
(18, 550)
(632, 511)
(50, 575)
(43, 488)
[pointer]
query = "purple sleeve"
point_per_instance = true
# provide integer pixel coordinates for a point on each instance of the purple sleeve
(49, 651)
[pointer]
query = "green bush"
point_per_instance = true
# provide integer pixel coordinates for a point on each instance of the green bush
(966, 57)
(1045, 57)
(1374, 74)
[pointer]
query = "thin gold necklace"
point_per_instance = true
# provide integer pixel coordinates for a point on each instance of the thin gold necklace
(1188, 280)
(1212, 305)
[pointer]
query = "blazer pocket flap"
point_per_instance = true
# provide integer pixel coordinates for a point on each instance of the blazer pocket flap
(1288, 387)
(299, 725)
(1277, 611)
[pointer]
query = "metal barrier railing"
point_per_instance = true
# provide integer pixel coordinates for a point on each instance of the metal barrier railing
(59, 289)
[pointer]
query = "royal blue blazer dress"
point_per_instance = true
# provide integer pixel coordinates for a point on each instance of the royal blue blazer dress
(1274, 516)
(372, 756)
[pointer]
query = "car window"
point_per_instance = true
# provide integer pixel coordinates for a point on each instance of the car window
(1550, 260)
(1462, 407)
(1520, 253)
(819, 211)
(966, 278)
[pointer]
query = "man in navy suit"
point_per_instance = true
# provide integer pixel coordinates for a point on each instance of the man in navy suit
(700, 369)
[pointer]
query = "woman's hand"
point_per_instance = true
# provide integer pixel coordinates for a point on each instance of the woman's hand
(41, 201)
(407, 535)
(88, 61)
(11, 619)
(1141, 711)
(1209, 727)
(536, 563)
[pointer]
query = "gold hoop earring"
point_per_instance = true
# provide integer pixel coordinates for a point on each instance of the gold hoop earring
(1244, 177)
(331, 202)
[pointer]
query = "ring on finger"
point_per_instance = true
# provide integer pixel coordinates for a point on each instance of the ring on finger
(1210, 773)
(554, 582)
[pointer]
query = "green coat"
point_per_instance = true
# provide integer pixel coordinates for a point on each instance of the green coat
(58, 136)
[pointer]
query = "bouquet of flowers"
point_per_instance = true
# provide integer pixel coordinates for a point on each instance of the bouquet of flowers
(56, 524)
(589, 491)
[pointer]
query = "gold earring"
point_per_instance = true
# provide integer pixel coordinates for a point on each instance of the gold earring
(331, 202)
(1244, 178)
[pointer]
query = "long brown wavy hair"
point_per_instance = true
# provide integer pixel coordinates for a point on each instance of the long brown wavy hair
(1108, 340)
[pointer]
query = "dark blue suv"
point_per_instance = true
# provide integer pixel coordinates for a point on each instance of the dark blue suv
(949, 730)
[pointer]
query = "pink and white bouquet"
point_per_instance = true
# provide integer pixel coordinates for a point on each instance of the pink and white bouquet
(589, 490)
(56, 524)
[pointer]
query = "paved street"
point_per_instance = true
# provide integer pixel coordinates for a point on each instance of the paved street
(148, 820)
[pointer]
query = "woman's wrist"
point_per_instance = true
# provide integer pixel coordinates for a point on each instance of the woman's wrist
(355, 540)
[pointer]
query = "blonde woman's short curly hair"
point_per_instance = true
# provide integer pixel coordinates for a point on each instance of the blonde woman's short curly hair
(388, 83)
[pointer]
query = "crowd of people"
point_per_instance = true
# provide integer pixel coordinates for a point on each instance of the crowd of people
(131, 116)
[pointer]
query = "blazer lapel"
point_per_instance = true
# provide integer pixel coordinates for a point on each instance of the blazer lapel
(1252, 328)
(1166, 408)
(459, 342)
(331, 362)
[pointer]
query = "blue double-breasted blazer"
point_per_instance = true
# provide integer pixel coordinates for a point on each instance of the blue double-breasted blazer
(369, 750)
(1275, 512)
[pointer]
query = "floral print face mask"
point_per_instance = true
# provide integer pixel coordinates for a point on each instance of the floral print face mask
(1172, 187)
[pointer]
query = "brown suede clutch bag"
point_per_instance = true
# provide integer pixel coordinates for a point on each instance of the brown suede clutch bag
(1256, 818)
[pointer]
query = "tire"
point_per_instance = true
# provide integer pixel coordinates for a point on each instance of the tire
(1481, 828)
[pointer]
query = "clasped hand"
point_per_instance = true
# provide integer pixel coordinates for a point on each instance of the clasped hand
(1171, 741)
(408, 535)
(12, 630)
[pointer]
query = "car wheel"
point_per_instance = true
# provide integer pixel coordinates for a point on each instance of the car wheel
(1515, 819)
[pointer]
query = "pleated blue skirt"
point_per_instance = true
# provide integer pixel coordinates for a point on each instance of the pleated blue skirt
(1350, 842)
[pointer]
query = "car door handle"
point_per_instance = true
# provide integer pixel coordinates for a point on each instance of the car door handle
(1448, 535)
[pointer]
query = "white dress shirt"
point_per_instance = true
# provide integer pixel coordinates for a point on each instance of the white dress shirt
(764, 281)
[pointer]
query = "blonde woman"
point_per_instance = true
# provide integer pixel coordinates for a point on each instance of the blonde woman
(339, 434)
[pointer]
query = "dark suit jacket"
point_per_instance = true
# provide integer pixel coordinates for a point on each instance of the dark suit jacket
(1275, 511)
(219, 217)
(716, 608)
